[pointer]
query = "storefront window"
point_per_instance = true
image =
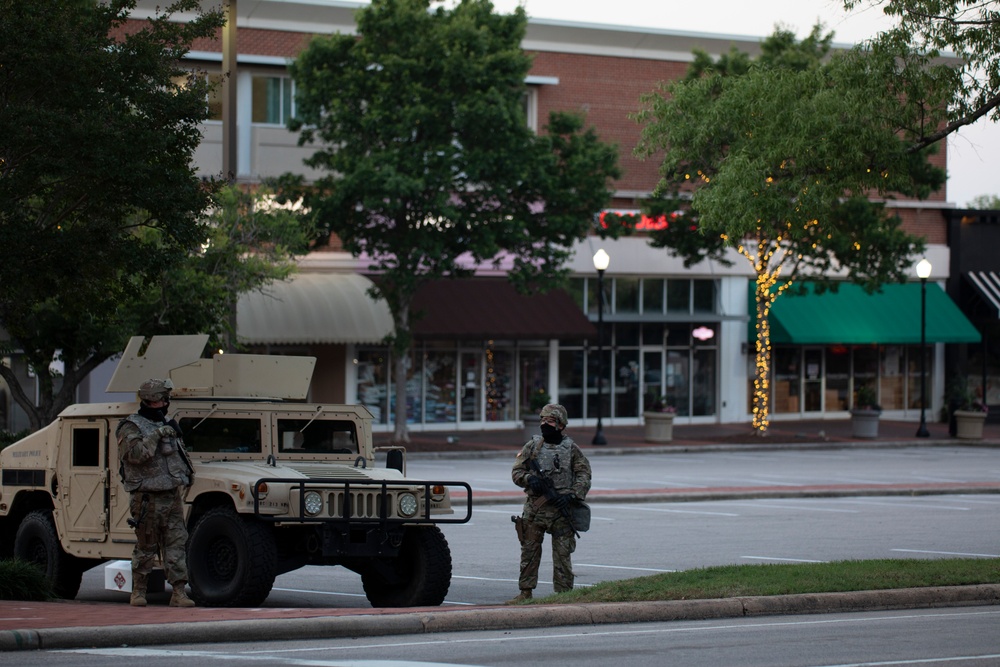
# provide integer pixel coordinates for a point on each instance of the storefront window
(703, 389)
(913, 364)
(597, 375)
(786, 379)
(838, 376)
(571, 382)
(533, 378)
(373, 374)
(627, 383)
(866, 361)
(626, 295)
(440, 404)
(678, 296)
(676, 379)
(652, 296)
(499, 376)
(892, 381)
(704, 296)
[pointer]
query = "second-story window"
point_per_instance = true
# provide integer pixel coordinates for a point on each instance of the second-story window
(272, 99)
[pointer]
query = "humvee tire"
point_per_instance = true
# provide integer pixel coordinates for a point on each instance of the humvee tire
(418, 577)
(232, 560)
(37, 542)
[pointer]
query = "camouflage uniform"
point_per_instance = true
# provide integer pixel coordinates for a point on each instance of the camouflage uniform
(565, 464)
(156, 471)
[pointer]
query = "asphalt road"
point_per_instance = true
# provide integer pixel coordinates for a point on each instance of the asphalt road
(963, 636)
(634, 537)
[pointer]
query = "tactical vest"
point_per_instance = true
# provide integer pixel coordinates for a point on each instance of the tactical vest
(556, 462)
(162, 472)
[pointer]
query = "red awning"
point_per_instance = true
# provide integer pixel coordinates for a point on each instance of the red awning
(481, 309)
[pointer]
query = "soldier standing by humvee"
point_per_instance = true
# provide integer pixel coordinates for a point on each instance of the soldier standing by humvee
(556, 476)
(156, 471)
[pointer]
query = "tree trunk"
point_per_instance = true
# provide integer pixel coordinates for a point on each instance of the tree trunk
(763, 298)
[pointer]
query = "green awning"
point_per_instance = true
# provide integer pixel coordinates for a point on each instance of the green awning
(851, 316)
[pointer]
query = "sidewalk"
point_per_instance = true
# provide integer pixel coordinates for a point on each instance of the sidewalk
(68, 624)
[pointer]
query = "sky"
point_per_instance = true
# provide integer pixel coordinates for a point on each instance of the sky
(973, 153)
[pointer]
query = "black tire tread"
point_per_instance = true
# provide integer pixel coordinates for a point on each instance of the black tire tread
(426, 555)
(258, 577)
(64, 571)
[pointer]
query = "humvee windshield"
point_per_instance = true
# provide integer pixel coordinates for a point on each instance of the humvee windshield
(305, 436)
(215, 434)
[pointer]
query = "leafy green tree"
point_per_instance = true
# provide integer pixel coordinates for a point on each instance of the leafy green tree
(777, 158)
(428, 158)
(97, 130)
(969, 29)
(985, 202)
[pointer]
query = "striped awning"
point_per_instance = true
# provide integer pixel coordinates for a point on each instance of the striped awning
(313, 308)
(987, 284)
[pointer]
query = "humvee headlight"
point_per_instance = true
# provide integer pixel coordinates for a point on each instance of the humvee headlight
(262, 491)
(438, 493)
(313, 502)
(407, 505)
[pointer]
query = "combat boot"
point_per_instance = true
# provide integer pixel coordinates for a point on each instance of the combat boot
(178, 598)
(525, 594)
(138, 598)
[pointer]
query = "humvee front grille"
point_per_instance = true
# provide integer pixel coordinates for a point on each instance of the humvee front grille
(346, 500)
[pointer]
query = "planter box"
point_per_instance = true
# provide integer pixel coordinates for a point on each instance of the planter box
(864, 423)
(659, 426)
(969, 424)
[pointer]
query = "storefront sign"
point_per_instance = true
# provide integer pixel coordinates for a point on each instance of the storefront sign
(636, 219)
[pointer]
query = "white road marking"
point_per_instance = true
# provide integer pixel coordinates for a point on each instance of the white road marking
(638, 508)
(801, 508)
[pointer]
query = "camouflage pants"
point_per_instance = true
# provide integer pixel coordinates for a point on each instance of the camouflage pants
(161, 527)
(540, 521)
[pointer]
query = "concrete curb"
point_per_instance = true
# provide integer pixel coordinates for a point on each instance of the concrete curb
(495, 618)
(716, 447)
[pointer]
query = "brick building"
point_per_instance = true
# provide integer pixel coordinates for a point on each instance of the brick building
(669, 330)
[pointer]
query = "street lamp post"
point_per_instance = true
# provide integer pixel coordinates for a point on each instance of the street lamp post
(923, 272)
(601, 261)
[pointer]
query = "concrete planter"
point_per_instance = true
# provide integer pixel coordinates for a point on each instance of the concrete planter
(969, 424)
(659, 426)
(864, 423)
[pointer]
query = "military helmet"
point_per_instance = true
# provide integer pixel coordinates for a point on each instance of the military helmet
(557, 411)
(155, 390)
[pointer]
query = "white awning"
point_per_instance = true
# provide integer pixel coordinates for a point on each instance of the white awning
(311, 308)
(987, 283)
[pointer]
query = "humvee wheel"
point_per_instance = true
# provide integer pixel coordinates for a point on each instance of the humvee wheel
(37, 542)
(232, 560)
(418, 577)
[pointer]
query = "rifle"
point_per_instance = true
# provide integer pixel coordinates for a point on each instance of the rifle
(551, 494)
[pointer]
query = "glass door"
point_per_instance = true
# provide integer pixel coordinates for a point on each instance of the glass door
(470, 381)
(812, 380)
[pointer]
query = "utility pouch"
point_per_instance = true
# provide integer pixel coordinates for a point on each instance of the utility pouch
(580, 511)
(518, 528)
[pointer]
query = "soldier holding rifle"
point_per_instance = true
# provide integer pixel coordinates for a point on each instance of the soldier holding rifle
(555, 474)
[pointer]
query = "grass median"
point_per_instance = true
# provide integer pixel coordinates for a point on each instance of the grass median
(728, 581)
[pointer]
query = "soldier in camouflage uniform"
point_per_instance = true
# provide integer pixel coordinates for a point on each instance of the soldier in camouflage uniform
(156, 471)
(560, 460)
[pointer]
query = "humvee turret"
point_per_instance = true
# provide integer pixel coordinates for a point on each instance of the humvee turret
(279, 483)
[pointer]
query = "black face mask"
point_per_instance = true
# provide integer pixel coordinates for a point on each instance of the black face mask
(551, 434)
(153, 414)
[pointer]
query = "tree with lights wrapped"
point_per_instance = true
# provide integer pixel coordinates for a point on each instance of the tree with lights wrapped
(780, 157)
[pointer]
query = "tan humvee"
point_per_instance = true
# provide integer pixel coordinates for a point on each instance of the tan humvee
(279, 484)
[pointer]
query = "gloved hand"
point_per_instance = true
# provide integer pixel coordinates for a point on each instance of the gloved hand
(174, 425)
(562, 501)
(167, 431)
(536, 485)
